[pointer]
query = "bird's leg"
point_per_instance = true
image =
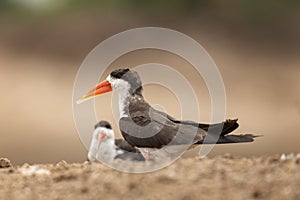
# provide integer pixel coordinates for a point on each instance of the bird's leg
(147, 155)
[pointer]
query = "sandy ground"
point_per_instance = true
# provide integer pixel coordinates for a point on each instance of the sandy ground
(221, 177)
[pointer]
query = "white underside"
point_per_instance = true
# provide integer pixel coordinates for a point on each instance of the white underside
(106, 151)
(166, 152)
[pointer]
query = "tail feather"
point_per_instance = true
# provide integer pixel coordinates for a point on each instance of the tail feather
(227, 127)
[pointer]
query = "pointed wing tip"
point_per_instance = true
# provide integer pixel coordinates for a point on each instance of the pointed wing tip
(235, 119)
(232, 120)
(254, 136)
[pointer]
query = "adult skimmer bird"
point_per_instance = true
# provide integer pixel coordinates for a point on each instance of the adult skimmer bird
(149, 129)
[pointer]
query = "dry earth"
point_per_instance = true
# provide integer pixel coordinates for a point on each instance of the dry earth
(221, 177)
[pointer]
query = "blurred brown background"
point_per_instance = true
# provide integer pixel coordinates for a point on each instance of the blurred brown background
(255, 44)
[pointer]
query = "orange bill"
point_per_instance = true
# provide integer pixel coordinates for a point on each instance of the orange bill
(101, 88)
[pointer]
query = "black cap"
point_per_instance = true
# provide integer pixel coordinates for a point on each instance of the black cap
(132, 77)
(104, 124)
(118, 73)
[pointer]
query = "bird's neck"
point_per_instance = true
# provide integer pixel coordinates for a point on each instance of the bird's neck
(125, 99)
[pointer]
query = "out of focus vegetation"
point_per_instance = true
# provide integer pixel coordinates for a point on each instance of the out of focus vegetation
(235, 11)
(39, 25)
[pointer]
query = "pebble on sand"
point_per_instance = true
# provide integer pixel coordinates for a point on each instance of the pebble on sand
(5, 163)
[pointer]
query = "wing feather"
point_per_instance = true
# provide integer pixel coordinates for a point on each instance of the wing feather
(154, 129)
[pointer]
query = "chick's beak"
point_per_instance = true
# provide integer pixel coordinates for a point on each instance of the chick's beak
(101, 136)
(101, 88)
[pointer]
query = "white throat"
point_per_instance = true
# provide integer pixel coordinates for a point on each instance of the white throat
(122, 87)
(123, 103)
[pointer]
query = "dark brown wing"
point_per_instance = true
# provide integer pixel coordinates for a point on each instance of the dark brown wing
(122, 144)
(130, 156)
(152, 128)
(224, 127)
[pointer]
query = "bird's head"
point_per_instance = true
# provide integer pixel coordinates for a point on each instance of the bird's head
(103, 132)
(121, 80)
